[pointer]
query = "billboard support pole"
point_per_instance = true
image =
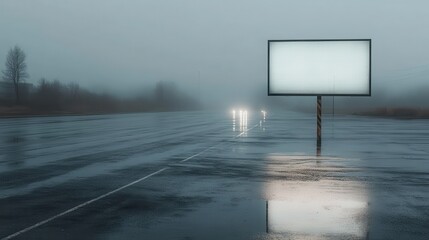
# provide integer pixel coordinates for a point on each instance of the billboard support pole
(319, 124)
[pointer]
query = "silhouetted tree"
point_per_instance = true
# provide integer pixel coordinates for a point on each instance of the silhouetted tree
(168, 97)
(16, 69)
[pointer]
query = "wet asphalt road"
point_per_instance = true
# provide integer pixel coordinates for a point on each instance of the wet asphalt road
(203, 175)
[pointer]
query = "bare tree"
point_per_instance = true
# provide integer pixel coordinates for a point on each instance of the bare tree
(16, 69)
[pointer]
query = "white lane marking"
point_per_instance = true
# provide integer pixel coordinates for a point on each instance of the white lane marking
(111, 192)
(82, 205)
(195, 155)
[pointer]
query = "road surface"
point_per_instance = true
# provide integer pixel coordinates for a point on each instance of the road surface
(205, 175)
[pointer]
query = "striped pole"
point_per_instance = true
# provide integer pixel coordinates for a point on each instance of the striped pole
(266, 217)
(319, 123)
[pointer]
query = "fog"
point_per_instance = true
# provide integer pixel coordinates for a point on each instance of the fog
(150, 119)
(215, 51)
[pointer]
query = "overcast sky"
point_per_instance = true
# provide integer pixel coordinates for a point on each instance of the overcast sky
(128, 45)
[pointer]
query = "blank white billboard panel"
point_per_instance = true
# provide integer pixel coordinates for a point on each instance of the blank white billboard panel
(319, 67)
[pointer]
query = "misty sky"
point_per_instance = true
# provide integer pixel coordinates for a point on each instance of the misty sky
(125, 46)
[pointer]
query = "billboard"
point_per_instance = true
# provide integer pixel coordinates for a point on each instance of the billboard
(330, 67)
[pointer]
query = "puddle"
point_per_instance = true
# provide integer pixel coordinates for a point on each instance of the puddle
(317, 209)
(313, 203)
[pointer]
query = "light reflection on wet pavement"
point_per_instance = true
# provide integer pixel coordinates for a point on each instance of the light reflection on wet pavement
(261, 180)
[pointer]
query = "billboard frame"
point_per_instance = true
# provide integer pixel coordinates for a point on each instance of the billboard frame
(317, 40)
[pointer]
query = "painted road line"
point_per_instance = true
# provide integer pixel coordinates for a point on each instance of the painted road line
(205, 150)
(82, 205)
(110, 193)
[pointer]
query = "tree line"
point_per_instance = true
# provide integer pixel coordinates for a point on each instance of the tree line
(52, 96)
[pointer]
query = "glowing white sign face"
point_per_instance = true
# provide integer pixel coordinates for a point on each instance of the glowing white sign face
(319, 67)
